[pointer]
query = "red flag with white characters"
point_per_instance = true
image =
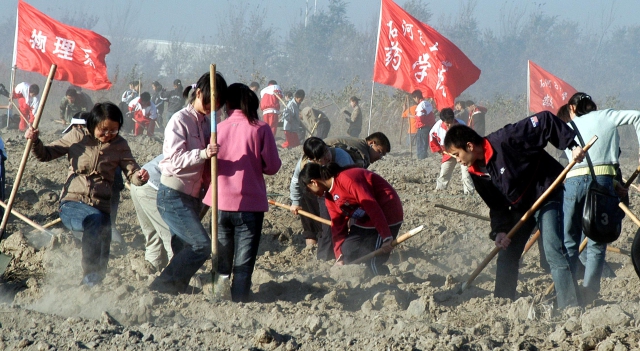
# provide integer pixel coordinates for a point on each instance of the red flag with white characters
(411, 55)
(79, 53)
(546, 91)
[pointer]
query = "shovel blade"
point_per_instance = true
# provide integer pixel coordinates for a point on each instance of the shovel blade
(221, 287)
(5, 260)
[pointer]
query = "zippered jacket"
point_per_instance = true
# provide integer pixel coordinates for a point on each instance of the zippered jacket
(92, 166)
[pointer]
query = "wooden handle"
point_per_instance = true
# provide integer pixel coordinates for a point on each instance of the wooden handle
(526, 216)
(28, 221)
(632, 178)
(394, 243)
(302, 213)
(628, 212)
(530, 243)
(214, 181)
(462, 212)
(27, 149)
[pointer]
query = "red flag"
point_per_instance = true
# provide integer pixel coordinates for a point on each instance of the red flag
(79, 53)
(411, 55)
(546, 91)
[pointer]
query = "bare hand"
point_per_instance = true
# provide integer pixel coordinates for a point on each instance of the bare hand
(621, 191)
(386, 246)
(339, 263)
(212, 150)
(31, 134)
(143, 175)
(578, 154)
(502, 241)
(294, 209)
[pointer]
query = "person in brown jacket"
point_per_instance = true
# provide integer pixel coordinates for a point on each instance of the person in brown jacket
(94, 153)
(355, 118)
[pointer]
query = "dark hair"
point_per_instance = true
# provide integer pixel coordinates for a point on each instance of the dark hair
(447, 115)
(459, 135)
(133, 82)
(101, 112)
(145, 97)
(354, 99)
(469, 103)
(417, 94)
(178, 84)
(380, 139)
(564, 114)
(254, 85)
(299, 94)
(583, 103)
(34, 89)
(157, 85)
(241, 97)
(316, 171)
(71, 92)
(314, 148)
(272, 82)
(204, 84)
(461, 103)
(82, 115)
(288, 94)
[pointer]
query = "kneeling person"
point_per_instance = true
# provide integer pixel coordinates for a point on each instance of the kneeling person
(359, 194)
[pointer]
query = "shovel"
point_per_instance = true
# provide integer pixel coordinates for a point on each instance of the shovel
(394, 243)
(221, 283)
(5, 259)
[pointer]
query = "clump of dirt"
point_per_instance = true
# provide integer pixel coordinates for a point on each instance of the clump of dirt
(298, 301)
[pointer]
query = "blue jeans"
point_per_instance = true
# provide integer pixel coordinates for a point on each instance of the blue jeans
(95, 226)
(422, 143)
(238, 240)
(549, 219)
(574, 199)
(190, 242)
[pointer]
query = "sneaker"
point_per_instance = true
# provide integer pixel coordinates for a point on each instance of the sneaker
(116, 236)
(91, 280)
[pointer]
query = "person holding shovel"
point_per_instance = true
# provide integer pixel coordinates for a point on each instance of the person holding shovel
(185, 173)
(510, 171)
(247, 151)
(94, 154)
(365, 197)
(605, 159)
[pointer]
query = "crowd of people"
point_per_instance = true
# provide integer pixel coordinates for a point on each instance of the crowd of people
(508, 168)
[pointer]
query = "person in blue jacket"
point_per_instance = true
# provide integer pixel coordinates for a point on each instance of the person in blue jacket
(510, 171)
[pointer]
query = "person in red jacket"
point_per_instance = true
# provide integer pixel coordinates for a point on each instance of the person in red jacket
(361, 195)
(144, 113)
(270, 98)
(477, 115)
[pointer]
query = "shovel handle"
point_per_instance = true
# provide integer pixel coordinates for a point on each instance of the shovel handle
(27, 220)
(302, 213)
(526, 216)
(394, 243)
(632, 178)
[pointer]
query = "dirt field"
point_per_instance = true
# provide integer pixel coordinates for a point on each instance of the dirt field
(299, 302)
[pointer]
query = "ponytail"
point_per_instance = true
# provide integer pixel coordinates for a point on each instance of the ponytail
(583, 104)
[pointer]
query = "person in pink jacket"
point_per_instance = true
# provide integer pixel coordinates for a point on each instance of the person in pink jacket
(186, 150)
(247, 150)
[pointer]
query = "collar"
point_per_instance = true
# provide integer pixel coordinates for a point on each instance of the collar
(488, 154)
(192, 110)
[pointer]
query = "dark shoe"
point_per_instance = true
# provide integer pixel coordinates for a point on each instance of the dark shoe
(164, 288)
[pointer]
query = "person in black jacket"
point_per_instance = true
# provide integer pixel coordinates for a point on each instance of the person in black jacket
(175, 99)
(510, 171)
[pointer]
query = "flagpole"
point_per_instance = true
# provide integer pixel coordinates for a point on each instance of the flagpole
(374, 65)
(13, 67)
(528, 87)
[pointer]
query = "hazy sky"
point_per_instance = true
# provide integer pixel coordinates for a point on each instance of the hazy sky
(156, 18)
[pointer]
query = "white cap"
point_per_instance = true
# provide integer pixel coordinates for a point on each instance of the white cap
(74, 121)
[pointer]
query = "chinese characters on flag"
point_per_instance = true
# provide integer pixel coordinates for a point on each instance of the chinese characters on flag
(411, 55)
(546, 91)
(79, 53)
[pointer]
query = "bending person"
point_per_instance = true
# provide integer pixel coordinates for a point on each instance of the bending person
(365, 197)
